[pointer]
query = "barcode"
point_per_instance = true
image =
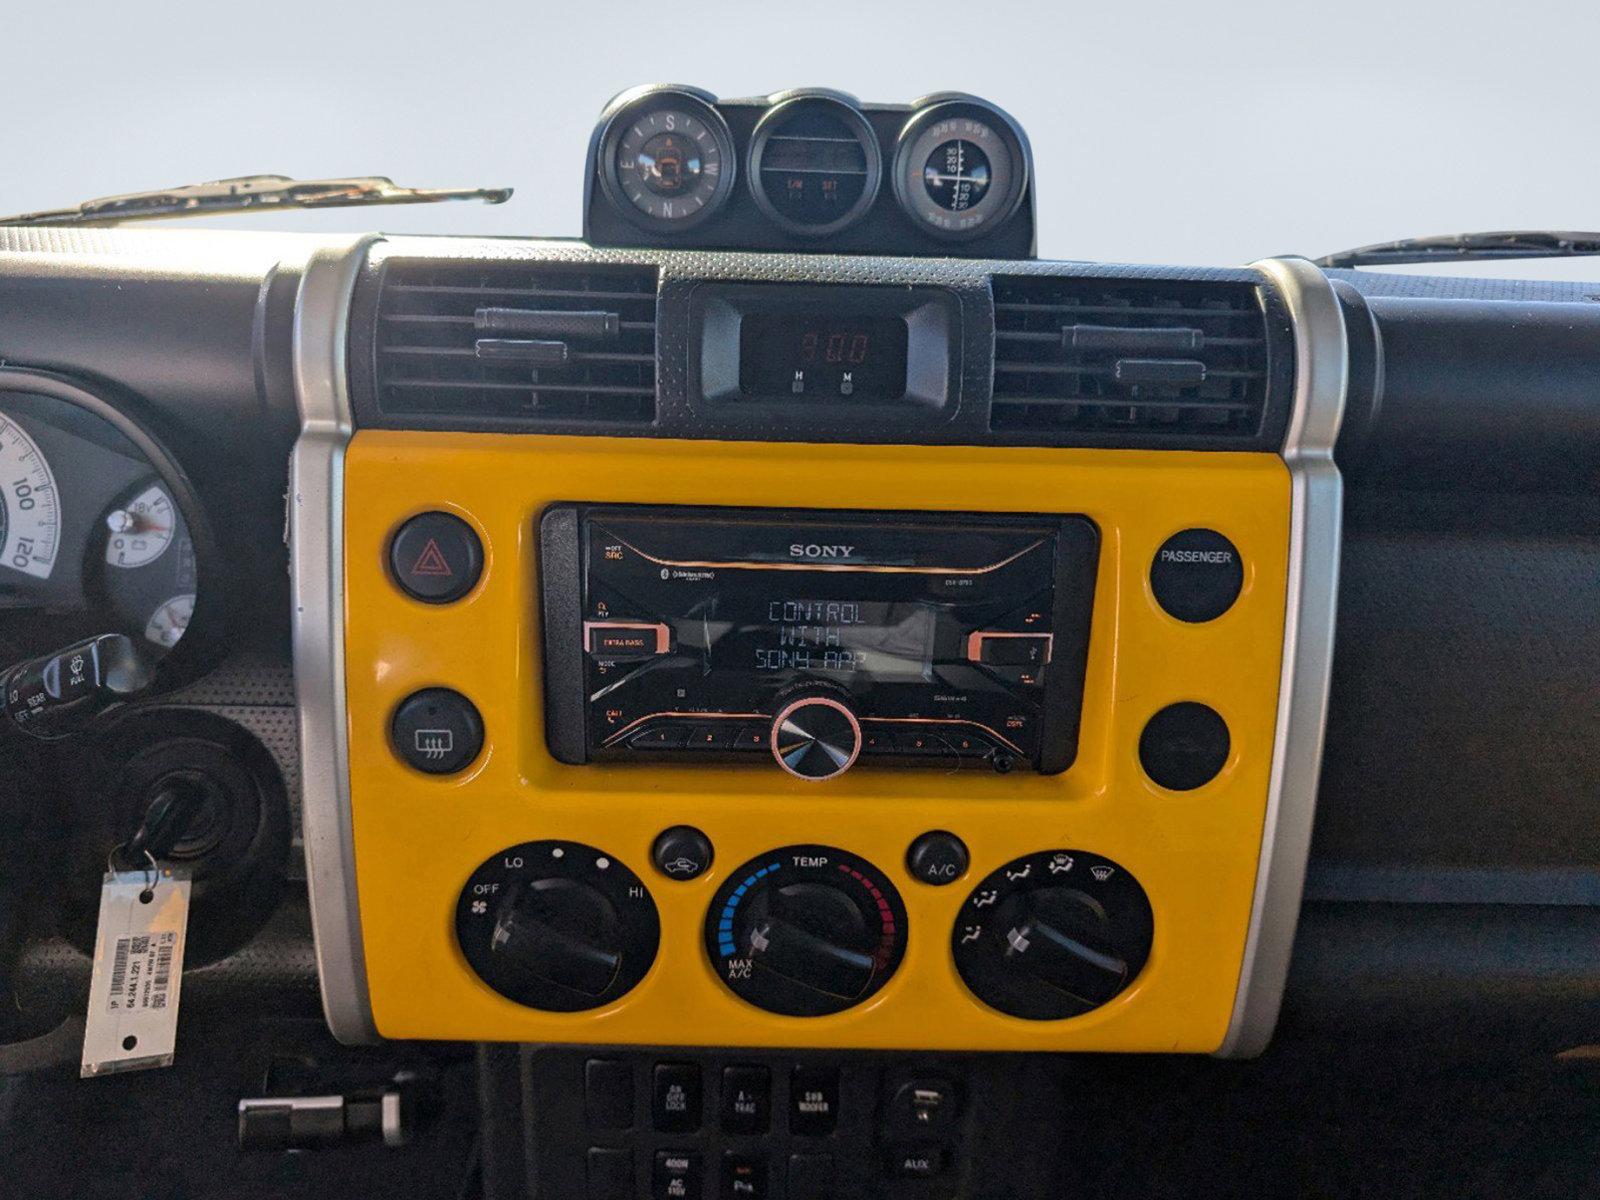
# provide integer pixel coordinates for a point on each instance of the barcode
(119, 967)
(163, 971)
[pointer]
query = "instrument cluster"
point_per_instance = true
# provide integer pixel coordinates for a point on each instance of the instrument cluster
(810, 169)
(93, 538)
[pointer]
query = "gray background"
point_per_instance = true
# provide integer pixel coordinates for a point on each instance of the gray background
(1194, 133)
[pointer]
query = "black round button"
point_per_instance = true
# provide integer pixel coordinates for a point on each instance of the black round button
(937, 858)
(1184, 746)
(436, 558)
(1196, 575)
(437, 730)
(682, 852)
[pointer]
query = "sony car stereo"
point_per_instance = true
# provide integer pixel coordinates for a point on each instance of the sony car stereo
(815, 639)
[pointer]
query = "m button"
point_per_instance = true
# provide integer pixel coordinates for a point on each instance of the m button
(436, 558)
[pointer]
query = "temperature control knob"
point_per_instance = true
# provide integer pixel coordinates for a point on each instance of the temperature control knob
(1053, 935)
(806, 931)
(816, 737)
(558, 926)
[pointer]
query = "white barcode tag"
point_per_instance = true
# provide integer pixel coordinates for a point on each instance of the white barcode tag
(138, 970)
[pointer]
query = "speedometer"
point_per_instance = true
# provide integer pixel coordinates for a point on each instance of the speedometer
(30, 509)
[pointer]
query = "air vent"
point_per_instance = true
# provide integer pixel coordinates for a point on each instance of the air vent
(1169, 363)
(557, 343)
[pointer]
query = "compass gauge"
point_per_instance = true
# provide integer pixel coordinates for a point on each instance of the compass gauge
(667, 160)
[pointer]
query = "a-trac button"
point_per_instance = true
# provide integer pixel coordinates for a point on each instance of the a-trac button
(746, 1099)
(437, 731)
(1184, 746)
(1196, 575)
(436, 558)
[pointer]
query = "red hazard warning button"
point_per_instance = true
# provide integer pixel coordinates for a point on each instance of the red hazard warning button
(436, 557)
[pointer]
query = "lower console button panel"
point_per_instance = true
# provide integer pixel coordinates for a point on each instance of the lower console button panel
(891, 1126)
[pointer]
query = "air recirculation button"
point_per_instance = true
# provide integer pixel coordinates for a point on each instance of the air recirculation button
(1053, 935)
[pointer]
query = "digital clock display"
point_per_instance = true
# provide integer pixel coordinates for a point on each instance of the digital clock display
(822, 356)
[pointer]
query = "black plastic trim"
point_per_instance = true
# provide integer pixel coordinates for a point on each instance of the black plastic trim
(679, 414)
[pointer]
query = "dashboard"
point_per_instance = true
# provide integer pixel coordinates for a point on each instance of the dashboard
(794, 620)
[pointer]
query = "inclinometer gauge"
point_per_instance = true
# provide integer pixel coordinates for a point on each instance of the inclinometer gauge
(961, 168)
(667, 160)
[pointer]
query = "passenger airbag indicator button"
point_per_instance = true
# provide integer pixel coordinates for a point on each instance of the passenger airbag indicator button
(1196, 575)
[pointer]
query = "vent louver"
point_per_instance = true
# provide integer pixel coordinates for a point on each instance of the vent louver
(530, 343)
(1171, 362)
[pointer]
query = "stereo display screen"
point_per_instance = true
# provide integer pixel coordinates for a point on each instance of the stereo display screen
(702, 621)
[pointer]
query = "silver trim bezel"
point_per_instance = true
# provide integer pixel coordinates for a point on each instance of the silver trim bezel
(315, 533)
(1315, 517)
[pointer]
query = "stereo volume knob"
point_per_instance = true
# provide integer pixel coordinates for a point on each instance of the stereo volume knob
(816, 738)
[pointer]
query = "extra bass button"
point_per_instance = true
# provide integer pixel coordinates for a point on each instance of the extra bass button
(1184, 746)
(437, 731)
(1196, 575)
(436, 558)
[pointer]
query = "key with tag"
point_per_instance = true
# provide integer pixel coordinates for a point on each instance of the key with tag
(138, 971)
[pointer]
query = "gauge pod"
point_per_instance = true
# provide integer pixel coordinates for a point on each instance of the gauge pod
(814, 165)
(666, 159)
(960, 167)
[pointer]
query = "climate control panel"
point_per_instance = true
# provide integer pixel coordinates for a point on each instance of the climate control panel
(514, 887)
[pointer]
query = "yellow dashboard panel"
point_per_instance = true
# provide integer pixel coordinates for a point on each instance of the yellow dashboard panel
(418, 838)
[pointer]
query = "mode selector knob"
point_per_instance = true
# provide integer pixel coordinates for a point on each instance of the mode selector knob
(557, 925)
(816, 737)
(1053, 935)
